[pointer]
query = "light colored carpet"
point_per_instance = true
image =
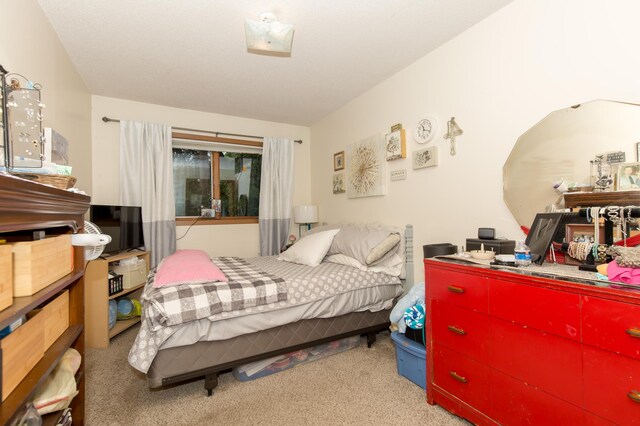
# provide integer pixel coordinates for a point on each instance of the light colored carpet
(359, 386)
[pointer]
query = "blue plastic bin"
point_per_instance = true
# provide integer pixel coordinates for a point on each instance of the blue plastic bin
(411, 359)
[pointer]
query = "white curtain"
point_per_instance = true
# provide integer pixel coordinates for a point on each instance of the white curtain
(146, 180)
(276, 185)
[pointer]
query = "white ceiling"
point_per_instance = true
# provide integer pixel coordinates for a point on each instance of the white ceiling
(191, 53)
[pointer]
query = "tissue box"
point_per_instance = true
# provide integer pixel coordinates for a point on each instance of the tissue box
(133, 274)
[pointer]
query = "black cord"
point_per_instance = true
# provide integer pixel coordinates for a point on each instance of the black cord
(185, 232)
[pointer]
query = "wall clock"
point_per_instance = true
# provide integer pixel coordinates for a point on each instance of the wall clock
(425, 130)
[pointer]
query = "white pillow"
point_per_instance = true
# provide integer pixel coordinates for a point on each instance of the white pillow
(392, 266)
(311, 249)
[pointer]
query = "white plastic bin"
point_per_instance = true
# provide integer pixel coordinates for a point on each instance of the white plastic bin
(133, 274)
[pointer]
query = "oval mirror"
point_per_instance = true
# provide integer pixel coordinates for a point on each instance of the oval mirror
(561, 147)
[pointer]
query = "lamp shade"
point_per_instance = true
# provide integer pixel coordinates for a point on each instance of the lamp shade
(305, 214)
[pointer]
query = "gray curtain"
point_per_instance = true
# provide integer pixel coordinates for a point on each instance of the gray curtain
(146, 180)
(276, 185)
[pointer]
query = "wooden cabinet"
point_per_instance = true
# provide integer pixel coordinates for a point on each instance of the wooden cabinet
(507, 348)
(97, 297)
(25, 207)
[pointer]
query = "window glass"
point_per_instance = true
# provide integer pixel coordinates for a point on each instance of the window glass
(195, 187)
(192, 184)
(239, 184)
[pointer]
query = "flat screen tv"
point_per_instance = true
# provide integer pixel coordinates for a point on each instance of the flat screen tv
(122, 223)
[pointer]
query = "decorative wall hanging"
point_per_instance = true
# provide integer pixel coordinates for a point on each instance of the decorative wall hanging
(21, 121)
(453, 130)
(427, 157)
(396, 175)
(425, 129)
(396, 145)
(366, 174)
(338, 183)
(338, 161)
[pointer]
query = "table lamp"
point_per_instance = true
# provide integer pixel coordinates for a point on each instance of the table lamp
(305, 215)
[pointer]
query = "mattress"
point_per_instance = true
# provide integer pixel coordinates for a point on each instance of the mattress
(369, 299)
(185, 362)
(308, 287)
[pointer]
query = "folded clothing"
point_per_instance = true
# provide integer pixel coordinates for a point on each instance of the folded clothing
(414, 296)
(621, 274)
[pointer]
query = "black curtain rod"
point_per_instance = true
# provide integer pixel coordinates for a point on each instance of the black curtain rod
(107, 120)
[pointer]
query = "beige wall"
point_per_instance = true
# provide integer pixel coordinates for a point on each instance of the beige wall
(218, 240)
(498, 79)
(31, 47)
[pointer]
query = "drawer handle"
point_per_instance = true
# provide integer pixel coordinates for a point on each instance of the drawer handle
(634, 395)
(456, 330)
(458, 377)
(455, 289)
(634, 332)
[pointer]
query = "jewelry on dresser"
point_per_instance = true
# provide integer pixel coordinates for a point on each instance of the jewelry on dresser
(613, 213)
(588, 214)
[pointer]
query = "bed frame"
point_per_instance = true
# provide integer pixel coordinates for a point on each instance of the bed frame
(208, 359)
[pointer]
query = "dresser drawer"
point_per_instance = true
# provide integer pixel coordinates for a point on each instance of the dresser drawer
(612, 386)
(548, 310)
(611, 325)
(548, 362)
(466, 290)
(462, 377)
(460, 329)
(514, 402)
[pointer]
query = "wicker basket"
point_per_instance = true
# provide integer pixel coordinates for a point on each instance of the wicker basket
(57, 181)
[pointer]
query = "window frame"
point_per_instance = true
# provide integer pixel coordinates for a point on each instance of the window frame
(215, 179)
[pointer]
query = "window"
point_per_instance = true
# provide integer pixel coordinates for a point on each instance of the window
(205, 170)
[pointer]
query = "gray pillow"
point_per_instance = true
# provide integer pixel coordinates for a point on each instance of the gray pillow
(369, 246)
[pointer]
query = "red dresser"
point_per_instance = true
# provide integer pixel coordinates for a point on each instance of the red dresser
(513, 349)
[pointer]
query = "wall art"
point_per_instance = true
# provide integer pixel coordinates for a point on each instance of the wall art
(427, 157)
(396, 145)
(338, 161)
(366, 171)
(453, 131)
(338, 183)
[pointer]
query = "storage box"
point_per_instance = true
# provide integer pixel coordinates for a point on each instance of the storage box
(36, 264)
(411, 358)
(6, 277)
(115, 283)
(279, 363)
(21, 351)
(132, 274)
(56, 318)
(498, 246)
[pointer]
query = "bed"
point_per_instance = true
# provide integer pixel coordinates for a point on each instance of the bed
(304, 306)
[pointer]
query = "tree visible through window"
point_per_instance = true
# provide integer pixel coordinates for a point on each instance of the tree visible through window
(200, 176)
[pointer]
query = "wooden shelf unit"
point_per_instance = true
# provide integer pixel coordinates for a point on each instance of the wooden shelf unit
(24, 207)
(97, 299)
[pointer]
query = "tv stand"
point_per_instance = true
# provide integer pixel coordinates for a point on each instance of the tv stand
(97, 298)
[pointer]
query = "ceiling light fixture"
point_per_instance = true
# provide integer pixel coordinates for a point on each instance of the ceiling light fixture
(268, 36)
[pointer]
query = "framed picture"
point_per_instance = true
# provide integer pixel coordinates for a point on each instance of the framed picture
(638, 151)
(547, 227)
(396, 145)
(627, 177)
(427, 157)
(367, 171)
(338, 183)
(338, 161)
